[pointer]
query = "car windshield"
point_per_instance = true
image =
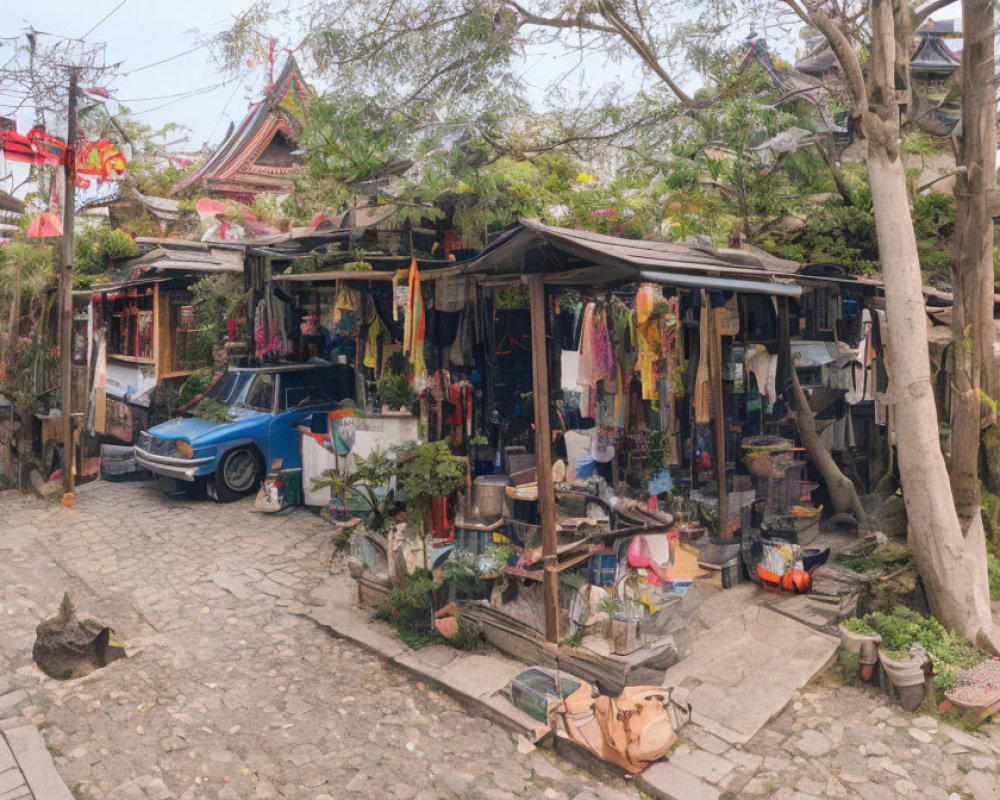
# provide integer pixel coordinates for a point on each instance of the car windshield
(305, 387)
(229, 387)
(260, 393)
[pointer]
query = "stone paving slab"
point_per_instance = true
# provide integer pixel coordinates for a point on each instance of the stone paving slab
(745, 669)
(35, 771)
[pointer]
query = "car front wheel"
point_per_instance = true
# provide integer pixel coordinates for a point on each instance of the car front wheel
(238, 474)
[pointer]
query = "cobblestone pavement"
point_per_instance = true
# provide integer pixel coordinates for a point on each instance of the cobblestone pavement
(230, 693)
(843, 742)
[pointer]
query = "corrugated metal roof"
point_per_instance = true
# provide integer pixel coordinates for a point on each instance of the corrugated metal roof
(534, 247)
(179, 255)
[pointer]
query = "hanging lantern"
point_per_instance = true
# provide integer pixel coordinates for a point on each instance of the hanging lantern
(44, 226)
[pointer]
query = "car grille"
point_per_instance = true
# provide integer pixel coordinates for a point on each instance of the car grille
(156, 446)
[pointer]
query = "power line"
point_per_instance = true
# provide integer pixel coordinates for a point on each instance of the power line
(223, 112)
(103, 20)
(177, 94)
(165, 60)
(184, 97)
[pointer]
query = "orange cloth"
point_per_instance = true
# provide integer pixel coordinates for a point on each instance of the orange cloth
(413, 336)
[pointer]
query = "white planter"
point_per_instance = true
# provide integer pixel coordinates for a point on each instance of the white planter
(852, 641)
(905, 671)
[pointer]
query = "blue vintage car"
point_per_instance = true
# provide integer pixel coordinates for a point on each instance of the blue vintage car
(266, 406)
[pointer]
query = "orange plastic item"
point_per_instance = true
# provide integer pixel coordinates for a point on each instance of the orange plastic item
(796, 581)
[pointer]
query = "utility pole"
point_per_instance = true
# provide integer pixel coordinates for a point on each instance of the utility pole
(66, 290)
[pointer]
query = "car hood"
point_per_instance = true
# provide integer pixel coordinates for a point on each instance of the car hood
(200, 431)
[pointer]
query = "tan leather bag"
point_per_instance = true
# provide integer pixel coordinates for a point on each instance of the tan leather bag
(631, 730)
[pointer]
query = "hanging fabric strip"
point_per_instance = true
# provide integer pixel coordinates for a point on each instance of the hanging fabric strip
(413, 339)
(701, 388)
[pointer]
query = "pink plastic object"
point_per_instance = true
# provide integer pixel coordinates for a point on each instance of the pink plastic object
(638, 556)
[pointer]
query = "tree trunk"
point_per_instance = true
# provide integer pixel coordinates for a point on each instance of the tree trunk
(826, 152)
(843, 495)
(972, 264)
(952, 565)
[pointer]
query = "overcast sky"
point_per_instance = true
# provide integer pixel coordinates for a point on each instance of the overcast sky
(140, 33)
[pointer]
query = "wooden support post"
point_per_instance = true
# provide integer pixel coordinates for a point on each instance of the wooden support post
(66, 290)
(718, 413)
(543, 456)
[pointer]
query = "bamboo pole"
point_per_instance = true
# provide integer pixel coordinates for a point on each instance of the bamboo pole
(543, 456)
(66, 290)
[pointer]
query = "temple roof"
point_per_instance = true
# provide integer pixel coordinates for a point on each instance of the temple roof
(792, 83)
(934, 55)
(258, 155)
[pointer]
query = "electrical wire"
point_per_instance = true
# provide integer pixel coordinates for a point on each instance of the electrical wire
(223, 112)
(103, 20)
(177, 94)
(185, 97)
(165, 60)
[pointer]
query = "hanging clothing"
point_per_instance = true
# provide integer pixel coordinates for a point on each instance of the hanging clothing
(648, 337)
(376, 332)
(415, 328)
(764, 368)
(585, 367)
(702, 413)
(603, 353)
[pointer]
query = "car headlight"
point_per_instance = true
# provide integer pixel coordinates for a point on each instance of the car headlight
(184, 448)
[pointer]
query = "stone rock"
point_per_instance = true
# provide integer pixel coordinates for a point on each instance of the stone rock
(921, 736)
(985, 763)
(544, 769)
(457, 782)
(966, 740)
(926, 723)
(979, 785)
(877, 747)
(812, 743)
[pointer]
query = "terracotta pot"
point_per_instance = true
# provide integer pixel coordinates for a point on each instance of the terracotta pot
(852, 641)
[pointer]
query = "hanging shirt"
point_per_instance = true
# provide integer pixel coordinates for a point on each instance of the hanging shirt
(413, 339)
(648, 337)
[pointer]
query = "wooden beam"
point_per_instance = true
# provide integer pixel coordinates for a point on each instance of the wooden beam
(718, 412)
(543, 455)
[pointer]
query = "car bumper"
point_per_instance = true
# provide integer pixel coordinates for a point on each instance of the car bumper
(184, 469)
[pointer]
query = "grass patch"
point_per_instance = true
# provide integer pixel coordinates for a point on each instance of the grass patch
(993, 568)
(845, 669)
(883, 559)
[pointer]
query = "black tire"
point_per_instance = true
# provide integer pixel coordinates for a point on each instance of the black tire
(238, 474)
(183, 490)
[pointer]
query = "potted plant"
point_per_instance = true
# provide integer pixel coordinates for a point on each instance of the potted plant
(907, 672)
(854, 632)
(394, 387)
(430, 472)
(370, 485)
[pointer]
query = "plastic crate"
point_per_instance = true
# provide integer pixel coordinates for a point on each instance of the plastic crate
(535, 690)
(603, 569)
(118, 464)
